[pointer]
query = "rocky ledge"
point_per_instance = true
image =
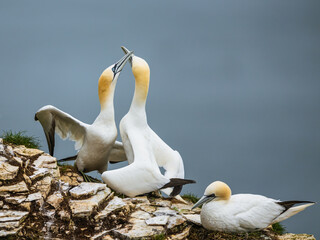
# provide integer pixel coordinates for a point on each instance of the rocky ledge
(41, 200)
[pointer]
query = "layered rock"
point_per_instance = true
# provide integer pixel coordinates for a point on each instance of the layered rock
(40, 200)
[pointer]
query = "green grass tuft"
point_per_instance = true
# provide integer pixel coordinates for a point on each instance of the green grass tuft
(190, 197)
(19, 138)
(278, 228)
(160, 236)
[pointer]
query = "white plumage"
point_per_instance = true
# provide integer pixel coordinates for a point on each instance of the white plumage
(96, 142)
(145, 151)
(242, 212)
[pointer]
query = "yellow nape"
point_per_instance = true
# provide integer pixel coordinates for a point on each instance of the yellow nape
(141, 72)
(105, 81)
(220, 189)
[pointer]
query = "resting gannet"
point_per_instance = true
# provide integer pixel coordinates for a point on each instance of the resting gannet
(143, 148)
(96, 143)
(242, 212)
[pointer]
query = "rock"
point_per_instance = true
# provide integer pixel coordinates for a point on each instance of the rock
(290, 236)
(10, 215)
(84, 208)
(26, 206)
(1, 204)
(43, 185)
(86, 189)
(193, 218)
(64, 215)
(146, 208)
(9, 150)
(175, 221)
(114, 205)
(55, 199)
(7, 171)
(45, 160)
(165, 211)
(139, 230)
(15, 199)
(27, 152)
(16, 188)
(39, 173)
(162, 203)
(181, 236)
(9, 225)
(18, 160)
(140, 215)
(157, 221)
(34, 196)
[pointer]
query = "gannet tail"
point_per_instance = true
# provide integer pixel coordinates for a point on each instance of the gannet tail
(290, 210)
(177, 184)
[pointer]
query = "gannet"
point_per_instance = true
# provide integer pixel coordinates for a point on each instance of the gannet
(96, 143)
(143, 148)
(165, 156)
(242, 212)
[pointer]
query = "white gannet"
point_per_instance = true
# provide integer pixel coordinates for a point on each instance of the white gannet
(242, 212)
(96, 143)
(143, 148)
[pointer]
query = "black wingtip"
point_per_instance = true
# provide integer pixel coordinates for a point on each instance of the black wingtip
(290, 204)
(35, 117)
(177, 184)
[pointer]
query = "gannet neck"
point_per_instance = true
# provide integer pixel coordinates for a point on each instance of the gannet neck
(106, 87)
(141, 72)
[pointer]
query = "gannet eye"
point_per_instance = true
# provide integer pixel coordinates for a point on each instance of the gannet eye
(114, 69)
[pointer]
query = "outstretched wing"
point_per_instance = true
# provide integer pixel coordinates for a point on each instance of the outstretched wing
(117, 153)
(54, 120)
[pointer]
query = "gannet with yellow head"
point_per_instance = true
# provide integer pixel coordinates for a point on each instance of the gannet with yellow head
(222, 211)
(145, 151)
(96, 142)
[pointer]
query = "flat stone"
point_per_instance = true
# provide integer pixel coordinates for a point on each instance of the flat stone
(16, 188)
(39, 173)
(44, 186)
(18, 160)
(55, 199)
(146, 208)
(34, 197)
(136, 200)
(7, 171)
(44, 159)
(140, 215)
(183, 208)
(15, 199)
(27, 152)
(138, 231)
(114, 205)
(175, 221)
(291, 236)
(9, 225)
(165, 211)
(84, 208)
(4, 233)
(9, 215)
(86, 189)
(161, 203)
(157, 221)
(9, 150)
(194, 218)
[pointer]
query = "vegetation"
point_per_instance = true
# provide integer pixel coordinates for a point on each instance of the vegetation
(190, 197)
(278, 228)
(20, 138)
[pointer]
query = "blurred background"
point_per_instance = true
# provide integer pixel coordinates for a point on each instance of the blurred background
(234, 84)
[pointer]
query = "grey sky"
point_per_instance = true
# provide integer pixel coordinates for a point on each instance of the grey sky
(234, 84)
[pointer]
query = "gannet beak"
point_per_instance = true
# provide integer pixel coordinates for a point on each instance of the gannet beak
(126, 50)
(118, 66)
(203, 200)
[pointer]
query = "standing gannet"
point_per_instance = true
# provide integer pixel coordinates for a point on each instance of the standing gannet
(165, 156)
(142, 147)
(242, 212)
(95, 142)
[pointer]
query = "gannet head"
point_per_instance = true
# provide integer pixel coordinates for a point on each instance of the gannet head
(109, 77)
(215, 191)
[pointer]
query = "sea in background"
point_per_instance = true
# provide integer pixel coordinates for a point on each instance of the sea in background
(234, 84)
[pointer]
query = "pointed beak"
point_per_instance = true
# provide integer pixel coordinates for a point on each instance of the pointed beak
(203, 200)
(126, 50)
(118, 66)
